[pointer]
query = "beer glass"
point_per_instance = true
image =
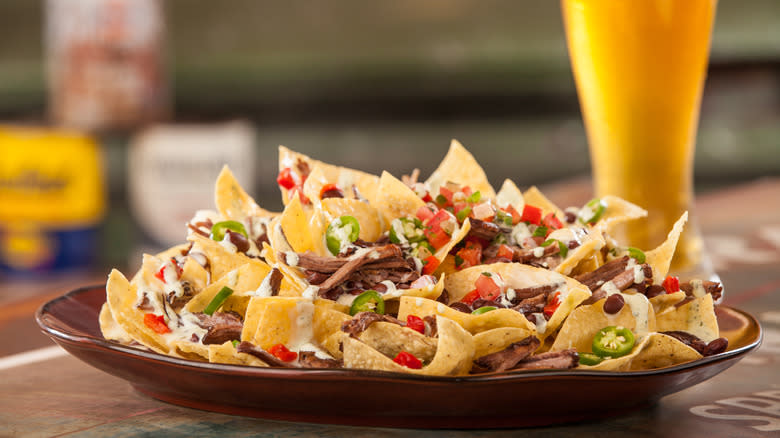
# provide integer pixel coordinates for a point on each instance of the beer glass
(639, 66)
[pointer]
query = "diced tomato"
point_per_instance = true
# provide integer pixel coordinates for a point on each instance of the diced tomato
(156, 323)
(429, 265)
(427, 197)
(283, 353)
(552, 222)
(505, 251)
(458, 206)
(437, 239)
(515, 215)
(470, 255)
(408, 360)
(553, 305)
(161, 273)
(439, 228)
(447, 194)
(470, 297)
(439, 219)
(466, 190)
(285, 178)
(424, 213)
(487, 288)
(531, 214)
(415, 323)
(671, 284)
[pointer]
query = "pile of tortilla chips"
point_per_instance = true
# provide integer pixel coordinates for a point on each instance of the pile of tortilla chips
(275, 313)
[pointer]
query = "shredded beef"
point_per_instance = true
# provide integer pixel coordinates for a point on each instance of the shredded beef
(145, 304)
(179, 302)
(533, 304)
(270, 359)
(483, 230)
(508, 357)
(711, 287)
(526, 256)
(529, 292)
(604, 273)
(361, 321)
(481, 302)
(431, 328)
(444, 297)
(461, 307)
(309, 359)
(559, 360)
(275, 282)
(714, 347)
(221, 326)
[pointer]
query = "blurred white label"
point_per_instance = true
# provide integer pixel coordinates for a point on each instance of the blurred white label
(173, 168)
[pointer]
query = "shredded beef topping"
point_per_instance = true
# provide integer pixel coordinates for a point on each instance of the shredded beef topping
(275, 282)
(179, 302)
(533, 304)
(270, 359)
(603, 274)
(714, 347)
(508, 357)
(361, 321)
(309, 359)
(221, 326)
(559, 360)
(483, 230)
(431, 328)
(711, 287)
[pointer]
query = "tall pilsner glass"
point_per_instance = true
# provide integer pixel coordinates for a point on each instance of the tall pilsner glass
(639, 66)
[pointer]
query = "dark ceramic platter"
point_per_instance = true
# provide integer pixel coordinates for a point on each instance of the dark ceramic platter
(369, 398)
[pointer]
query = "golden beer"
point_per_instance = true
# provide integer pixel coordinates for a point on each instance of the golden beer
(639, 66)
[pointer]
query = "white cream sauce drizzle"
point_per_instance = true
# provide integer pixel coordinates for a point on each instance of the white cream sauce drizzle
(639, 305)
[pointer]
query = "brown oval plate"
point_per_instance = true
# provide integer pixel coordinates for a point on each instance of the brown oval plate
(369, 398)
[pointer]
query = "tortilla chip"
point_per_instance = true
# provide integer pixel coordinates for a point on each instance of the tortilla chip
(277, 321)
(590, 246)
(110, 328)
(328, 318)
(232, 201)
(661, 257)
(665, 302)
(510, 195)
(497, 339)
(454, 353)
(221, 260)
(121, 298)
(457, 235)
(459, 166)
(246, 278)
(343, 177)
(654, 351)
(618, 211)
(227, 353)
(394, 199)
(584, 322)
(368, 217)
(534, 197)
(390, 339)
(296, 226)
(192, 350)
(473, 323)
(696, 317)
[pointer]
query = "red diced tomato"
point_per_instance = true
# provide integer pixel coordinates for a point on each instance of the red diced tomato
(487, 288)
(437, 239)
(671, 284)
(515, 215)
(156, 323)
(470, 297)
(429, 265)
(552, 222)
(283, 353)
(458, 206)
(427, 197)
(439, 228)
(424, 213)
(466, 190)
(532, 214)
(553, 305)
(408, 360)
(506, 252)
(470, 255)
(285, 178)
(447, 194)
(161, 273)
(415, 323)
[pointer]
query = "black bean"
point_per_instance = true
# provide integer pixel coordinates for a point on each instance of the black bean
(717, 346)
(238, 239)
(332, 193)
(614, 304)
(570, 217)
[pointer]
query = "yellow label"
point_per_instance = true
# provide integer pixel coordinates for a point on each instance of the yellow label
(50, 177)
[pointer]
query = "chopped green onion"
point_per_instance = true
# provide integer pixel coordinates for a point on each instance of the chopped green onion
(637, 254)
(504, 217)
(563, 249)
(463, 214)
(458, 260)
(540, 231)
(217, 301)
(474, 197)
(235, 343)
(592, 212)
(441, 200)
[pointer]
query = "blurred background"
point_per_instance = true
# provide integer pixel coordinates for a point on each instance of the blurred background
(116, 115)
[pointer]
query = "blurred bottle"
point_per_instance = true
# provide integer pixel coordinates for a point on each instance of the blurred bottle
(172, 170)
(51, 200)
(105, 63)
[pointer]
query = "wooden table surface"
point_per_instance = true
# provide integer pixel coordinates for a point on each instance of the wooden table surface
(45, 392)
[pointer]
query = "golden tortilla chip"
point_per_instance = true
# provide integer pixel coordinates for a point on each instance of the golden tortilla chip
(227, 353)
(661, 257)
(457, 235)
(246, 278)
(110, 328)
(655, 350)
(473, 323)
(459, 166)
(232, 201)
(192, 350)
(534, 197)
(221, 259)
(297, 226)
(497, 339)
(590, 245)
(696, 317)
(454, 353)
(665, 302)
(510, 195)
(368, 217)
(394, 199)
(584, 322)
(121, 298)
(618, 211)
(328, 318)
(390, 339)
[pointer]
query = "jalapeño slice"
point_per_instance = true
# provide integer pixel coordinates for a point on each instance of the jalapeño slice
(345, 228)
(368, 301)
(484, 309)
(219, 229)
(217, 301)
(613, 341)
(589, 359)
(592, 212)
